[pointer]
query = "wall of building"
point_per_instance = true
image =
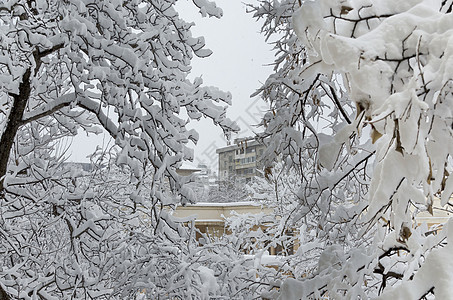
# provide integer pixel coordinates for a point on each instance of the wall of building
(210, 218)
(240, 160)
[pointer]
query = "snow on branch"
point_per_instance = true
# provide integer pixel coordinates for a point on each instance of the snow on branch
(104, 228)
(357, 79)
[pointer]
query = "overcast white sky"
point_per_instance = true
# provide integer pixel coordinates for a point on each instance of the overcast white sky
(238, 64)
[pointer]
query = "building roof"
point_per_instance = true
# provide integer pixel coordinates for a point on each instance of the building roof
(213, 212)
(240, 142)
(188, 166)
(229, 204)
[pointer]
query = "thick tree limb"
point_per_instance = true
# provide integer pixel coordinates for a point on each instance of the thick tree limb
(4, 295)
(14, 121)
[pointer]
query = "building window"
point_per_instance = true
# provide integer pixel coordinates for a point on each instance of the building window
(230, 168)
(261, 152)
(250, 150)
(246, 160)
(230, 159)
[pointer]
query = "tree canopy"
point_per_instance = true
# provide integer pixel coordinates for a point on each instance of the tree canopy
(115, 66)
(358, 135)
(360, 106)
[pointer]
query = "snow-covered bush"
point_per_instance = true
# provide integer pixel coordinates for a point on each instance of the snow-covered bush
(361, 107)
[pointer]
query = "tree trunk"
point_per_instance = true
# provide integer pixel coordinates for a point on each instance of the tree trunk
(3, 294)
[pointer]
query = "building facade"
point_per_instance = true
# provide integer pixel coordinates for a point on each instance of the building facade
(240, 160)
(210, 219)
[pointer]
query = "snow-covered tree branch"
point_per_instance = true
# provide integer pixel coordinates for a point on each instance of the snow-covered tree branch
(360, 106)
(115, 66)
